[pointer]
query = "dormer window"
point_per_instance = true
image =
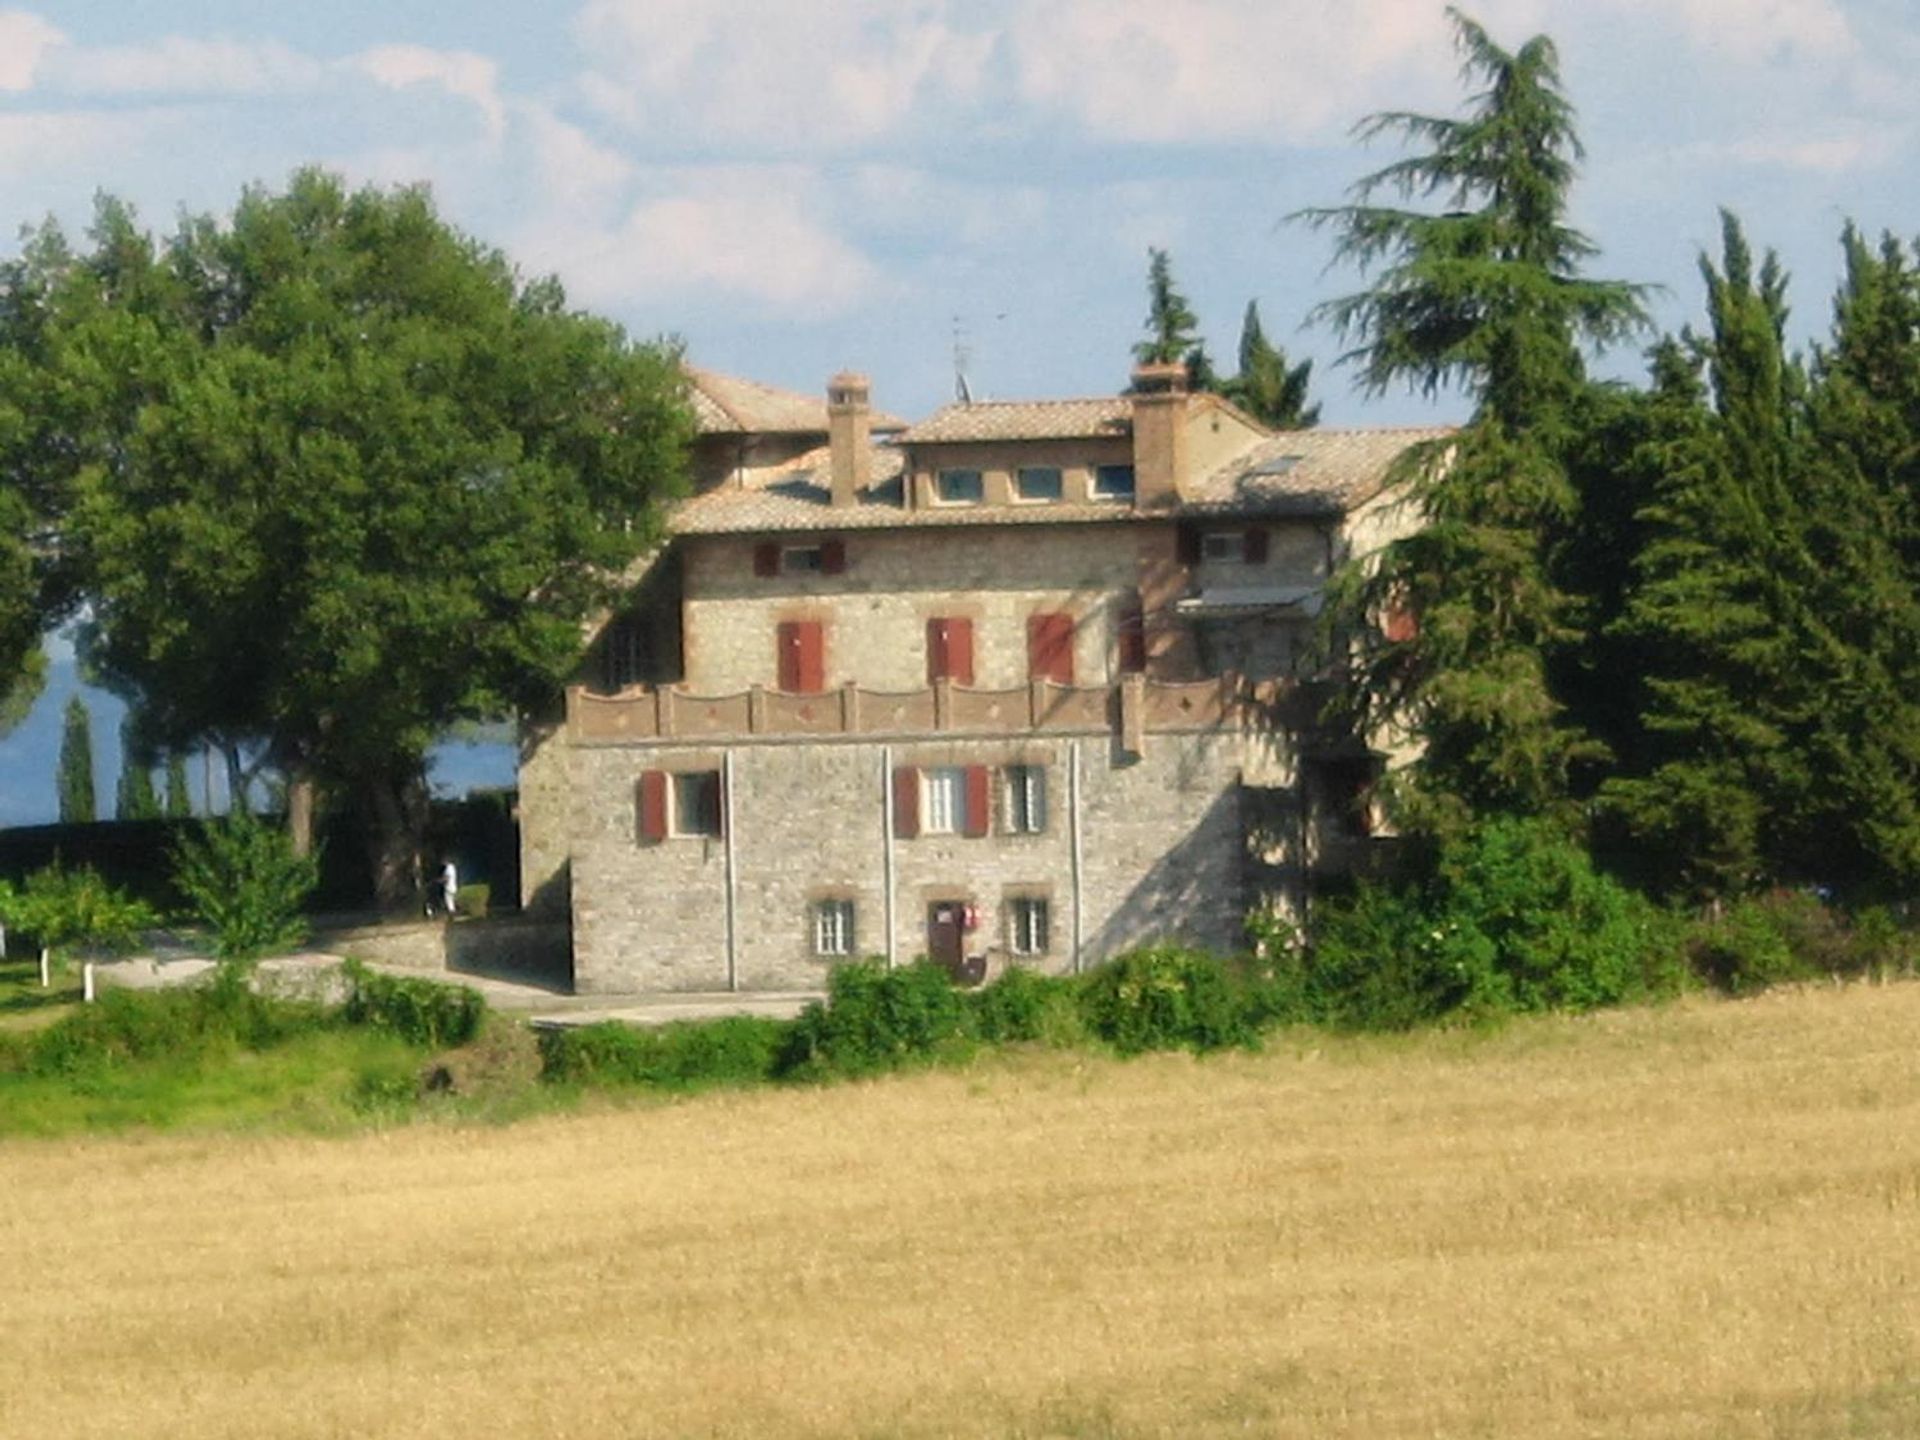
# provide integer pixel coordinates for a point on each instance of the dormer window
(1038, 484)
(1113, 482)
(958, 487)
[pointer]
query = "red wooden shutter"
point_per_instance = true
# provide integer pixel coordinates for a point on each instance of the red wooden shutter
(979, 800)
(1399, 624)
(1189, 545)
(813, 657)
(1050, 648)
(786, 645)
(1133, 640)
(937, 661)
(833, 557)
(653, 806)
(766, 559)
(1254, 547)
(906, 802)
(960, 651)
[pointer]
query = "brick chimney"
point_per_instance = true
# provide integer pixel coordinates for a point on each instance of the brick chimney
(848, 432)
(1159, 435)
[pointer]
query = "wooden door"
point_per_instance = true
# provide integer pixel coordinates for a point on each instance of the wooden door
(946, 933)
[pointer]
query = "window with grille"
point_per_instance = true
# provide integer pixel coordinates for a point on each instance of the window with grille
(833, 927)
(1026, 799)
(1028, 925)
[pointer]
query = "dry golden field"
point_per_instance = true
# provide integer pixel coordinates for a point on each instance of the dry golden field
(1699, 1221)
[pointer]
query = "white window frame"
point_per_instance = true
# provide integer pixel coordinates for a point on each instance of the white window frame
(1115, 496)
(1059, 484)
(1029, 925)
(943, 800)
(677, 825)
(833, 920)
(1026, 796)
(940, 497)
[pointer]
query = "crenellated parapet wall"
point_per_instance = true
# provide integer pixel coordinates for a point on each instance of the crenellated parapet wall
(1131, 709)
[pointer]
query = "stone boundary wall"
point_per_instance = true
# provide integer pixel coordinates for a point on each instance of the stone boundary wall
(667, 715)
(479, 945)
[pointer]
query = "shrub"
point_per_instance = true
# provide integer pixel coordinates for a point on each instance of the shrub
(1791, 935)
(1026, 1006)
(64, 908)
(501, 1062)
(878, 1019)
(244, 882)
(1166, 997)
(1514, 918)
(473, 900)
(421, 1012)
(687, 1055)
(130, 1025)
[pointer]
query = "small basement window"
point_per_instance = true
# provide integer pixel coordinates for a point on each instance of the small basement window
(1113, 482)
(959, 487)
(833, 928)
(1029, 925)
(1038, 483)
(696, 803)
(1223, 546)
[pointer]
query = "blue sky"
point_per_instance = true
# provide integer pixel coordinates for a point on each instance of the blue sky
(797, 188)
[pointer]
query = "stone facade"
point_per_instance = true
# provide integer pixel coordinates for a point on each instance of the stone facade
(706, 830)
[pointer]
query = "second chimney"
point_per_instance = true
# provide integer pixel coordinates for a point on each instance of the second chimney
(849, 425)
(1159, 435)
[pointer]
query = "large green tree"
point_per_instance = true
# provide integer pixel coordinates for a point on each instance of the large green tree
(346, 480)
(1480, 291)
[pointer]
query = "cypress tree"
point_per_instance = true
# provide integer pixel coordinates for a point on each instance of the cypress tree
(76, 765)
(179, 797)
(1171, 326)
(1267, 387)
(1486, 296)
(134, 798)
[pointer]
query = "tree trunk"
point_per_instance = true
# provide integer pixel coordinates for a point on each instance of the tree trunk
(399, 821)
(238, 800)
(300, 811)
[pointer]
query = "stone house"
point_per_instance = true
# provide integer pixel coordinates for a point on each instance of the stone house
(1017, 684)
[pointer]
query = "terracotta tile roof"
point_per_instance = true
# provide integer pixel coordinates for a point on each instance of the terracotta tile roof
(1296, 473)
(1305, 472)
(1024, 420)
(729, 405)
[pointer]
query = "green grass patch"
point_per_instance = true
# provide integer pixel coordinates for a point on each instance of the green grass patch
(24, 1003)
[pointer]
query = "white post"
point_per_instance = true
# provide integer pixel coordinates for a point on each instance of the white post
(46, 970)
(3, 942)
(86, 982)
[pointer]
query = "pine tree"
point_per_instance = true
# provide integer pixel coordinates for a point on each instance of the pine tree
(1267, 387)
(1172, 328)
(179, 796)
(76, 765)
(134, 798)
(1487, 296)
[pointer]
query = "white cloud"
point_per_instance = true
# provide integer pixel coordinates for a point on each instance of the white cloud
(1754, 31)
(745, 234)
(24, 39)
(1825, 155)
(473, 78)
(183, 66)
(781, 75)
(56, 144)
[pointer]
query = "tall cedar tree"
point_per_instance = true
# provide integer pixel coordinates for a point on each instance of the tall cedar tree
(1172, 328)
(75, 777)
(1486, 295)
(1267, 387)
(135, 797)
(347, 481)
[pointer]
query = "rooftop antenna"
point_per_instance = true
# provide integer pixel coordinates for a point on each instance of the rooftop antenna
(962, 355)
